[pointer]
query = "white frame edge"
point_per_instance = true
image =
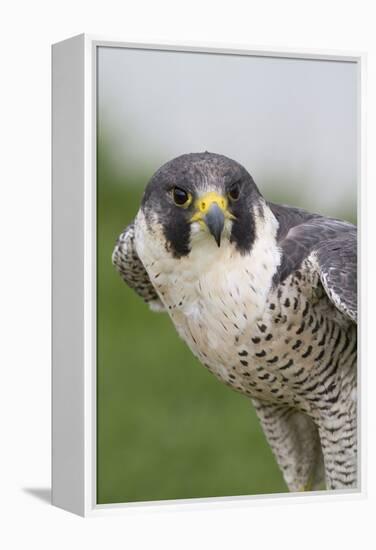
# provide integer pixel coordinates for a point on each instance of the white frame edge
(68, 381)
(74, 276)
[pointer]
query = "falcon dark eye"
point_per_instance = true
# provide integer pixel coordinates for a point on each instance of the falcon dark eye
(234, 192)
(181, 197)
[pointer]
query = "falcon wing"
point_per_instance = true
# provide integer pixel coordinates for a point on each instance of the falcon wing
(337, 266)
(131, 269)
(330, 244)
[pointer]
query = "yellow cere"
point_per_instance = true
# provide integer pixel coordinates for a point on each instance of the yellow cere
(204, 203)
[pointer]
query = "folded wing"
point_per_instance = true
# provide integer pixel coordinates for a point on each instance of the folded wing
(131, 269)
(337, 265)
(330, 245)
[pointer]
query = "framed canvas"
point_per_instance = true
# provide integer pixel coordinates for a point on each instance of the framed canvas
(221, 187)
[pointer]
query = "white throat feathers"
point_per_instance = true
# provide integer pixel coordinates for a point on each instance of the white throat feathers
(212, 279)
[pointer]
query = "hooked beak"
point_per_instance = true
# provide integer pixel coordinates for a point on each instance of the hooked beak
(215, 221)
(211, 210)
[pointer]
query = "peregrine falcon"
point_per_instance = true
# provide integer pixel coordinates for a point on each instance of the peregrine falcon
(265, 297)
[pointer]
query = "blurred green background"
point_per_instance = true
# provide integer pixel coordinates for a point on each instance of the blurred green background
(166, 427)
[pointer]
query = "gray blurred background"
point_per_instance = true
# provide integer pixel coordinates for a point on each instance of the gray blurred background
(168, 429)
(292, 123)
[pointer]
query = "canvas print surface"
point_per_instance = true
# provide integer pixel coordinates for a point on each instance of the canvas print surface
(226, 275)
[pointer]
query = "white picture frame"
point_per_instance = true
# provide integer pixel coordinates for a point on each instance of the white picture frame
(74, 272)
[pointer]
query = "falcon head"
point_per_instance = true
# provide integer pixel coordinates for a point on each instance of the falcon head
(199, 197)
